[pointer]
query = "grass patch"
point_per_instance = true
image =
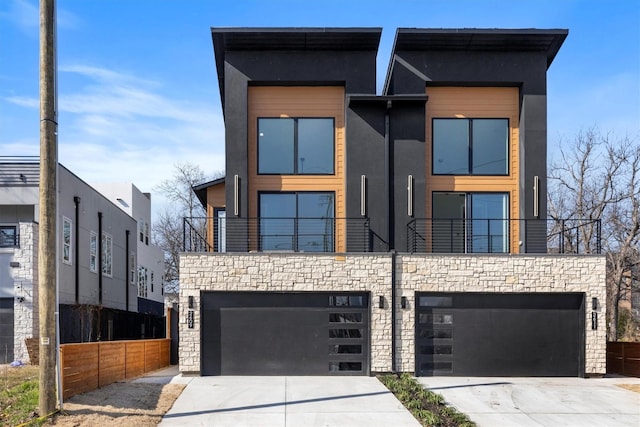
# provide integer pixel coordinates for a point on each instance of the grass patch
(18, 395)
(428, 407)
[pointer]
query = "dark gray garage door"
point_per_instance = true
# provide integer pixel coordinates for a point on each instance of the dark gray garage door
(481, 334)
(270, 333)
(6, 330)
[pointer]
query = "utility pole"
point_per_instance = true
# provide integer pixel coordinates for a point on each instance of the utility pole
(47, 253)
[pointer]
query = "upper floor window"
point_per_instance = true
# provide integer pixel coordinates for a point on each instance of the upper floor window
(107, 255)
(470, 146)
(66, 240)
(93, 252)
(8, 236)
(296, 146)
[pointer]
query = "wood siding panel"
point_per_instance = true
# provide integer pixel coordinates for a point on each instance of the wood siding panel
(88, 366)
(478, 102)
(299, 102)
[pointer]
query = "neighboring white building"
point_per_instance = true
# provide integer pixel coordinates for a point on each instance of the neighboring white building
(149, 263)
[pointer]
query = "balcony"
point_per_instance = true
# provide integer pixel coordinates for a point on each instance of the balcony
(425, 235)
(560, 236)
(276, 235)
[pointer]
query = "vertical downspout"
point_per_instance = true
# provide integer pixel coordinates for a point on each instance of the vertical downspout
(387, 178)
(76, 253)
(100, 249)
(390, 212)
(127, 272)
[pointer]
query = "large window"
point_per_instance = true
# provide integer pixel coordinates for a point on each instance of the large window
(296, 146)
(470, 222)
(66, 240)
(297, 222)
(470, 146)
(107, 255)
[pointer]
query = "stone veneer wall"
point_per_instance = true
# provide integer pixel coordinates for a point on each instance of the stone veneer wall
(505, 273)
(285, 272)
(25, 285)
(372, 272)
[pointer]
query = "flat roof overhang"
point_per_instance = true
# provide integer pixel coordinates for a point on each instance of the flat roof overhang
(290, 38)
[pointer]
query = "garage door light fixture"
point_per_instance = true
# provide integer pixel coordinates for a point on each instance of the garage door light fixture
(594, 303)
(403, 302)
(381, 301)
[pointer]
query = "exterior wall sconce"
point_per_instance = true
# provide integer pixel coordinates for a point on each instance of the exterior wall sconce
(191, 302)
(536, 196)
(403, 302)
(363, 195)
(381, 301)
(236, 195)
(410, 195)
(594, 303)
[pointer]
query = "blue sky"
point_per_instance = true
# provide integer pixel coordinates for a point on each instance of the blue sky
(138, 88)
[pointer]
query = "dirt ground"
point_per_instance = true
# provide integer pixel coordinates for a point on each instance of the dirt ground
(632, 387)
(119, 404)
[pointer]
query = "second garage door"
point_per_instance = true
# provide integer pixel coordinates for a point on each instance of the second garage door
(484, 334)
(269, 333)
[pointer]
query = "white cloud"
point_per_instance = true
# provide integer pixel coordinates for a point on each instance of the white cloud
(26, 16)
(115, 127)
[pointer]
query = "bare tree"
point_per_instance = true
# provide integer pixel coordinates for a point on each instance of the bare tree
(168, 232)
(598, 178)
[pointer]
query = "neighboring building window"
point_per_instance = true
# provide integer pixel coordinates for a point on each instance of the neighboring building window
(107, 255)
(8, 236)
(132, 268)
(297, 221)
(152, 281)
(143, 277)
(146, 233)
(470, 222)
(296, 146)
(470, 146)
(141, 229)
(66, 240)
(93, 252)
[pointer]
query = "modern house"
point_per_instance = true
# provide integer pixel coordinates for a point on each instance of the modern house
(150, 257)
(357, 232)
(97, 269)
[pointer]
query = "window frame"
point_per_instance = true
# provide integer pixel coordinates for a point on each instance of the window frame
(93, 252)
(296, 218)
(470, 147)
(468, 219)
(15, 241)
(107, 254)
(67, 256)
(296, 144)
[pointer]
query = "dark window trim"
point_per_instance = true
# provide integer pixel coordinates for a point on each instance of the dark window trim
(260, 193)
(470, 147)
(295, 147)
(13, 243)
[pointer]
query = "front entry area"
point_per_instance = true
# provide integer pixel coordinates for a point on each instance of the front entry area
(273, 333)
(488, 334)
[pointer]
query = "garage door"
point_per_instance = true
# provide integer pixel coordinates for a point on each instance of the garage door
(6, 330)
(269, 333)
(478, 334)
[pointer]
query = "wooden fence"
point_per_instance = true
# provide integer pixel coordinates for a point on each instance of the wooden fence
(623, 358)
(88, 366)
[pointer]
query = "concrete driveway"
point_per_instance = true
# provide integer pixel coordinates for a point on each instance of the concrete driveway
(286, 401)
(526, 402)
